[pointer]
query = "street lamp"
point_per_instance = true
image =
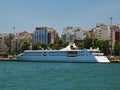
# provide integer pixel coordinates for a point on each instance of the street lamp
(13, 30)
(13, 40)
(111, 18)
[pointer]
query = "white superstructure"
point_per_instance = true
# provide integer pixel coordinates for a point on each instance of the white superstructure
(68, 54)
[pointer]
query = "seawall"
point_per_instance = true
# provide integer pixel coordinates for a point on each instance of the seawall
(8, 59)
(14, 59)
(115, 61)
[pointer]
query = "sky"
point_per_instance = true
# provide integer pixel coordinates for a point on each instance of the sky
(25, 15)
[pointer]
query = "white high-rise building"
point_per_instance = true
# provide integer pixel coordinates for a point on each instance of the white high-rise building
(72, 34)
(101, 31)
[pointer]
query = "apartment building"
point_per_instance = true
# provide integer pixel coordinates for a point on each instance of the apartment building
(53, 34)
(19, 38)
(115, 34)
(44, 34)
(41, 35)
(73, 33)
(3, 46)
(107, 32)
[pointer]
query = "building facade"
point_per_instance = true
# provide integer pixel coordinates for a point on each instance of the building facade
(115, 34)
(24, 35)
(72, 34)
(19, 39)
(1, 43)
(3, 46)
(101, 31)
(68, 34)
(41, 35)
(107, 32)
(53, 35)
(80, 34)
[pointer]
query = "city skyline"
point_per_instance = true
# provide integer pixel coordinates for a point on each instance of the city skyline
(25, 15)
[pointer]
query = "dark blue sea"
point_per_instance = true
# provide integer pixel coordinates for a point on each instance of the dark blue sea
(59, 76)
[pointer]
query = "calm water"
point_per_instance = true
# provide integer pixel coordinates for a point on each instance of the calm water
(59, 76)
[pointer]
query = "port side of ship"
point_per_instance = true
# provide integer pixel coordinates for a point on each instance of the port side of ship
(83, 55)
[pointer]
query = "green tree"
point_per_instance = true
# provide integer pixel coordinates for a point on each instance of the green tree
(117, 48)
(94, 42)
(103, 45)
(65, 43)
(35, 46)
(80, 44)
(56, 46)
(24, 46)
(87, 42)
(43, 45)
(51, 45)
(60, 43)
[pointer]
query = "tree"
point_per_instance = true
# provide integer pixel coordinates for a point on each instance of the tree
(60, 43)
(56, 46)
(24, 46)
(51, 46)
(43, 45)
(87, 42)
(35, 46)
(117, 48)
(94, 42)
(65, 43)
(80, 44)
(103, 45)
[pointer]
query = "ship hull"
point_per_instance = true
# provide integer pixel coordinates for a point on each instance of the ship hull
(64, 59)
(83, 55)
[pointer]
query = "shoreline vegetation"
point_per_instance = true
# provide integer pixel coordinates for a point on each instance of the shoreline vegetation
(115, 60)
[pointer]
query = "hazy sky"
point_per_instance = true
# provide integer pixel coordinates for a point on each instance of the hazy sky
(28, 14)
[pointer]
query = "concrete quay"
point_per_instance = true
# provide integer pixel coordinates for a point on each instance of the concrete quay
(115, 61)
(14, 59)
(8, 59)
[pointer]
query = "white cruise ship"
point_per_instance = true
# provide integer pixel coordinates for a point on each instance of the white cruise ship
(68, 54)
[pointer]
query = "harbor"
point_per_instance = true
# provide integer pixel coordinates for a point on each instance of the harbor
(59, 76)
(59, 45)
